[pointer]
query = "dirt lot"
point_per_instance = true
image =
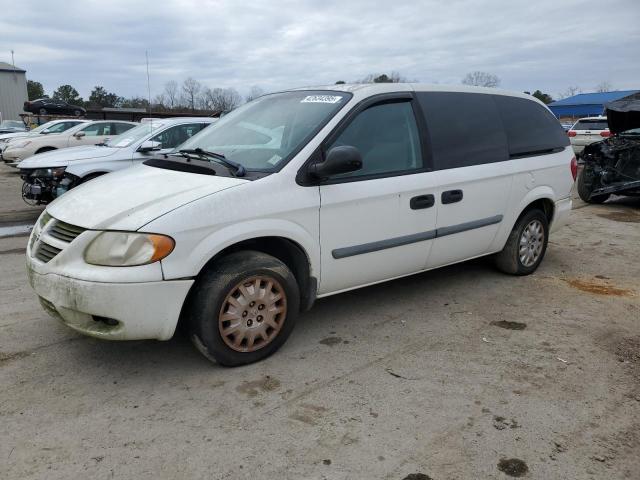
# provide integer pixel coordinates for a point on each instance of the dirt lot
(459, 373)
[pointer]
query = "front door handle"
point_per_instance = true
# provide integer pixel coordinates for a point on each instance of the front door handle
(451, 196)
(422, 201)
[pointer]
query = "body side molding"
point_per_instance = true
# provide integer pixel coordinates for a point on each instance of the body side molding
(413, 238)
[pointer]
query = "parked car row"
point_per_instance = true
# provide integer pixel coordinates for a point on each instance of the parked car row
(49, 175)
(83, 133)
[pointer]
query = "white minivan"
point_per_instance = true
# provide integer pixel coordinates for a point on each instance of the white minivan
(299, 195)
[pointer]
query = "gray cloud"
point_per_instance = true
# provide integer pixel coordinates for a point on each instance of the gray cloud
(547, 44)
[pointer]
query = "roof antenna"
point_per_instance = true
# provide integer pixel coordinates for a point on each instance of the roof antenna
(146, 53)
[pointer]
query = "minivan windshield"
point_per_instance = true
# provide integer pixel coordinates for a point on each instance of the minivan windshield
(266, 133)
(135, 134)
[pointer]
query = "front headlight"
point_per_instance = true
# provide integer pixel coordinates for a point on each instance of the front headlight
(128, 249)
(55, 172)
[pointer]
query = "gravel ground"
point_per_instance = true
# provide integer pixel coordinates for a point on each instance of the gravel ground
(458, 373)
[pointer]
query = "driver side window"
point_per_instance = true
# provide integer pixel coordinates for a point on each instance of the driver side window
(386, 135)
(177, 135)
(94, 130)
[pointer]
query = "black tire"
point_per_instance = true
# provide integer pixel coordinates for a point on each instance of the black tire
(210, 295)
(509, 259)
(585, 186)
(77, 113)
(42, 111)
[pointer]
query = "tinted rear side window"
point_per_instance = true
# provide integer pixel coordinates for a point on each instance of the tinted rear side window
(465, 129)
(530, 127)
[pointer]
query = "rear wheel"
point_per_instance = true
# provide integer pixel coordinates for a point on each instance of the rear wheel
(526, 245)
(42, 111)
(585, 185)
(243, 308)
(77, 113)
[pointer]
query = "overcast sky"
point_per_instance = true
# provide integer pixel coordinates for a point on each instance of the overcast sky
(539, 44)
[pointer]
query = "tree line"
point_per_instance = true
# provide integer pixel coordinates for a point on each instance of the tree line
(194, 96)
(191, 96)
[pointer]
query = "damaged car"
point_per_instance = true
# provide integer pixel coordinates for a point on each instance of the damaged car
(612, 166)
(48, 175)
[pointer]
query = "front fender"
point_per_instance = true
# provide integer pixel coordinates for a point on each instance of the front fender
(191, 255)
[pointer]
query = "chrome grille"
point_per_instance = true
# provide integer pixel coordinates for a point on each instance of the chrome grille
(64, 231)
(45, 252)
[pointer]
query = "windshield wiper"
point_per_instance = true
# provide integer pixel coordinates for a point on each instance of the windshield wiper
(237, 168)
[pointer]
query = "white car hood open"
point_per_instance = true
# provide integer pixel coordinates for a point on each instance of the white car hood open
(131, 198)
(62, 157)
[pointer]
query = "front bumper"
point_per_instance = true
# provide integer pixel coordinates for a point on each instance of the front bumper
(148, 310)
(113, 303)
(13, 156)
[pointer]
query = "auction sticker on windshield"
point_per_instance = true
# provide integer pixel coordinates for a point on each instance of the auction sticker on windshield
(321, 99)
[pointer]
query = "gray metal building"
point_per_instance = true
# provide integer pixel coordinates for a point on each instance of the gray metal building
(13, 91)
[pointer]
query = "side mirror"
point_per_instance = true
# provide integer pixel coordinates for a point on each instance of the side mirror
(79, 134)
(342, 159)
(149, 146)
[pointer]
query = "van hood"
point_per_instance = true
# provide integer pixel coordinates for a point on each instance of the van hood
(131, 198)
(62, 157)
(624, 114)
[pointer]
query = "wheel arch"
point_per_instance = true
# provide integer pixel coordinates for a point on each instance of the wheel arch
(541, 198)
(295, 251)
(46, 148)
(289, 252)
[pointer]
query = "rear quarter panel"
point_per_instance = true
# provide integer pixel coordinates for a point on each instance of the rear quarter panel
(534, 178)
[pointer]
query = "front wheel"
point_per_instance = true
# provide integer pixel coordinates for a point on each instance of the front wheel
(526, 245)
(43, 111)
(243, 308)
(77, 113)
(585, 185)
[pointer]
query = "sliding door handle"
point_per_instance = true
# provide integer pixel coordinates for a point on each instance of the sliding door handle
(451, 196)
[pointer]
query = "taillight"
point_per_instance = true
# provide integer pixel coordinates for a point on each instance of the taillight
(572, 133)
(574, 168)
(605, 133)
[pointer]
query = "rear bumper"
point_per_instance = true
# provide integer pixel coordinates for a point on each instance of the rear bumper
(148, 310)
(561, 212)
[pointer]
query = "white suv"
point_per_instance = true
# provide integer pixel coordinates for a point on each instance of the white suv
(299, 195)
(51, 174)
(587, 131)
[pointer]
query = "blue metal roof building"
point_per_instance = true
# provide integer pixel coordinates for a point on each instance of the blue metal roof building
(586, 104)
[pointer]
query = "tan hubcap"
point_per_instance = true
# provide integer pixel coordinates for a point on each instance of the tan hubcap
(253, 313)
